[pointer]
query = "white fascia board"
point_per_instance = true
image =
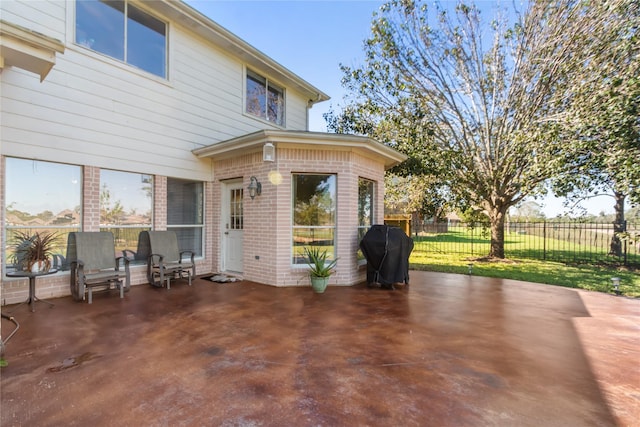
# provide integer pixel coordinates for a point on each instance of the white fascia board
(27, 49)
(253, 143)
(220, 36)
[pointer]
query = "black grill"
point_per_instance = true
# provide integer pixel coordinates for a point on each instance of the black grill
(387, 251)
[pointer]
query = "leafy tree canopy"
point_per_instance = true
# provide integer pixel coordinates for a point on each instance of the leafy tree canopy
(468, 99)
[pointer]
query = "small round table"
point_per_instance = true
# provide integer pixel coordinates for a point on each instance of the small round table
(32, 284)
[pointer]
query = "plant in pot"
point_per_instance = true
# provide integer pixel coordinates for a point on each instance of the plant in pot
(33, 252)
(321, 269)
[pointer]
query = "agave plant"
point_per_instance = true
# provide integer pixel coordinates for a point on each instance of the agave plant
(30, 249)
(317, 260)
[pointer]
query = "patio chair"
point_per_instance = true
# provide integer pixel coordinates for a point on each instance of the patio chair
(92, 260)
(166, 261)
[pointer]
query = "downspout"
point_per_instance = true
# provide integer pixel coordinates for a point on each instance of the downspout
(310, 104)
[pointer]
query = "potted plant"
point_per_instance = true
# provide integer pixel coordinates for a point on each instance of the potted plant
(33, 252)
(321, 269)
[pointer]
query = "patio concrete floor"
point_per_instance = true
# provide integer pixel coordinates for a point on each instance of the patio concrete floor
(448, 350)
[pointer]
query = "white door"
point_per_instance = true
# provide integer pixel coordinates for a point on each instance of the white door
(233, 225)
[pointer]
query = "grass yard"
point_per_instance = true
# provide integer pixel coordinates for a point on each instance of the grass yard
(553, 273)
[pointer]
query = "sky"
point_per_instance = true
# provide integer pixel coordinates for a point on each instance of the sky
(312, 39)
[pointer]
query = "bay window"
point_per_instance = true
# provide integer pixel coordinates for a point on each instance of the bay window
(314, 215)
(365, 210)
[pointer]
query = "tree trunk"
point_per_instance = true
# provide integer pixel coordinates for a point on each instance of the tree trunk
(619, 225)
(497, 217)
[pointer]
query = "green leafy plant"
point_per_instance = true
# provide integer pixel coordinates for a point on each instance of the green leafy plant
(30, 249)
(317, 260)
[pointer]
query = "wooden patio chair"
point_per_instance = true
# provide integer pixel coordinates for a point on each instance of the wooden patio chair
(92, 261)
(166, 261)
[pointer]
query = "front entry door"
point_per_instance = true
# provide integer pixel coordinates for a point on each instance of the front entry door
(233, 225)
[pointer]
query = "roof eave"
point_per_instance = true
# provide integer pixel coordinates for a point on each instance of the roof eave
(212, 31)
(253, 142)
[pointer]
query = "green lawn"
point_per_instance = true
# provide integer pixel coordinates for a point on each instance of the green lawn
(579, 276)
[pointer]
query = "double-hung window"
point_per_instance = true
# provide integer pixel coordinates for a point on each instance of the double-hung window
(264, 99)
(123, 31)
(314, 215)
(185, 213)
(42, 197)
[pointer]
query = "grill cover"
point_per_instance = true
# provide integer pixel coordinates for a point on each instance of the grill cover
(387, 251)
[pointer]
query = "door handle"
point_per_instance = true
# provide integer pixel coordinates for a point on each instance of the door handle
(226, 232)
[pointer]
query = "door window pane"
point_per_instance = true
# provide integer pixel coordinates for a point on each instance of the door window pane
(236, 209)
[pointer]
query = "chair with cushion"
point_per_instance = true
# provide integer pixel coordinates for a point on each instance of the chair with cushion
(93, 264)
(166, 261)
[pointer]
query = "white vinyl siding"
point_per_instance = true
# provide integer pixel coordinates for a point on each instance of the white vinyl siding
(94, 110)
(45, 17)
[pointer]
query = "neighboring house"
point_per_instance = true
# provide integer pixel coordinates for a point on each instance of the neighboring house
(136, 115)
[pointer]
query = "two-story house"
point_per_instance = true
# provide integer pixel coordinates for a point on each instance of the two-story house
(133, 115)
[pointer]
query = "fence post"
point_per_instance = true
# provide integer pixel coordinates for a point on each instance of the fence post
(544, 240)
(624, 249)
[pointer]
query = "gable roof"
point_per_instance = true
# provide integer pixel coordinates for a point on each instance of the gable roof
(200, 24)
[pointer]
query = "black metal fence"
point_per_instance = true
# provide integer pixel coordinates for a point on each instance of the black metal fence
(578, 242)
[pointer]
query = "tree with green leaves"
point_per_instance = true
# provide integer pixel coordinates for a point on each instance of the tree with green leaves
(468, 100)
(599, 110)
(110, 212)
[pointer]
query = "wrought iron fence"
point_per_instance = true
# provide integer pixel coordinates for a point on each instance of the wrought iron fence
(578, 242)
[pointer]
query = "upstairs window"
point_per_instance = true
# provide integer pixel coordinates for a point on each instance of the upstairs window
(122, 31)
(264, 99)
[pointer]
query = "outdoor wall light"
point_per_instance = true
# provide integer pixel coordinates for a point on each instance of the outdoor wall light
(616, 285)
(255, 188)
(268, 152)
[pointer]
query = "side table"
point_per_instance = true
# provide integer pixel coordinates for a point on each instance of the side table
(32, 284)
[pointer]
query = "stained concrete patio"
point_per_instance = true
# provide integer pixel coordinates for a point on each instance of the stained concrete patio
(449, 350)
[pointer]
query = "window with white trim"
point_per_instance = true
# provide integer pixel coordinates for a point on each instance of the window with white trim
(126, 206)
(41, 197)
(185, 213)
(264, 99)
(314, 215)
(123, 31)
(366, 190)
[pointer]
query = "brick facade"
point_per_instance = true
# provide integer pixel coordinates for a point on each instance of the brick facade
(268, 221)
(267, 233)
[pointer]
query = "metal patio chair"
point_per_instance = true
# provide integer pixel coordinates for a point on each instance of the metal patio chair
(93, 264)
(165, 260)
